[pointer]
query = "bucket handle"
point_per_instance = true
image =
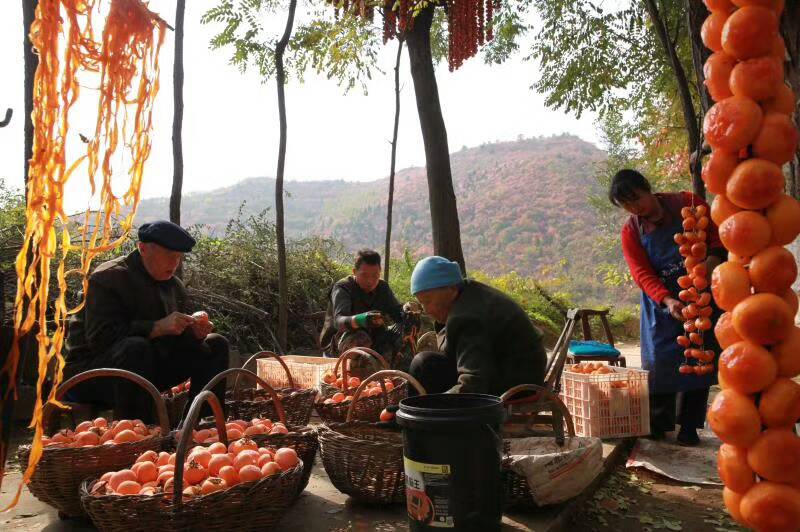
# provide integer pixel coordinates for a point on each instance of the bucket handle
(379, 376)
(253, 377)
(541, 393)
(205, 396)
(161, 408)
(267, 354)
(344, 362)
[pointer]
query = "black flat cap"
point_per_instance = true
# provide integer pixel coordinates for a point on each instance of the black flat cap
(171, 236)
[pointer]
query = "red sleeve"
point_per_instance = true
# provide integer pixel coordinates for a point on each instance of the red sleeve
(639, 264)
(713, 231)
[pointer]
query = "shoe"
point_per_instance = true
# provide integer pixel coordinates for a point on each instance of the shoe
(688, 437)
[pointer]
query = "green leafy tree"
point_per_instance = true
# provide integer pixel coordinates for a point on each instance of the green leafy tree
(341, 51)
(638, 59)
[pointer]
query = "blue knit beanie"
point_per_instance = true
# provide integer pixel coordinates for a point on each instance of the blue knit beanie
(435, 272)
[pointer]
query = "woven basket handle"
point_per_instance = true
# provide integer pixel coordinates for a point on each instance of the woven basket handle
(379, 376)
(185, 440)
(344, 362)
(161, 408)
(266, 354)
(253, 377)
(541, 393)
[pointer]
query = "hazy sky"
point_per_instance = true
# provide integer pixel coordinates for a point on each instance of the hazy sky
(231, 123)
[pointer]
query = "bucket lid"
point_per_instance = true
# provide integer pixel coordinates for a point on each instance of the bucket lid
(451, 409)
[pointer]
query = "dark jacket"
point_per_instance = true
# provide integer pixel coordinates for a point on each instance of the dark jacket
(493, 342)
(346, 299)
(122, 300)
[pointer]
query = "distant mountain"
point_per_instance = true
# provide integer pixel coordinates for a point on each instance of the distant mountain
(522, 206)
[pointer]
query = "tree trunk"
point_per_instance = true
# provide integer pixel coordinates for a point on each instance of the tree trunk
(444, 211)
(696, 14)
(280, 77)
(177, 117)
(690, 117)
(790, 29)
(388, 248)
(31, 61)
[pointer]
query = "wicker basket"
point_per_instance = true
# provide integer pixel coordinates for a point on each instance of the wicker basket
(176, 404)
(363, 460)
(250, 506)
(252, 402)
(367, 408)
(58, 476)
(301, 438)
(344, 364)
(531, 423)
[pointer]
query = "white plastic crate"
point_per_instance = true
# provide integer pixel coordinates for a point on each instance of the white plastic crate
(611, 405)
(307, 372)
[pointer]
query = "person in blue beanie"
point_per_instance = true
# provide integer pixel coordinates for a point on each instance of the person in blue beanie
(487, 343)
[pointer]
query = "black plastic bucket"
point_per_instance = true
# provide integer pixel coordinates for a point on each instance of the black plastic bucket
(452, 451)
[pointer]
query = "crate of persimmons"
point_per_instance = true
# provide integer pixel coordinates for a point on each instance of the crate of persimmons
(606, 401)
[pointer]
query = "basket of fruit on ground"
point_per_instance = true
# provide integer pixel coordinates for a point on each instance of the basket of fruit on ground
(175, 400)
(358, 365)
(251, 402)
(93, 447)
(263, 431)
(177, 492)
(334, 408)
(365, 460)
(525, 420)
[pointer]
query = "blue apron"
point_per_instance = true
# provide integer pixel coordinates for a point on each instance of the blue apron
(661, 354)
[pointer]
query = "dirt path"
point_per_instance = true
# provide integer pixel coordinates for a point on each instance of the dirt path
(635, 499)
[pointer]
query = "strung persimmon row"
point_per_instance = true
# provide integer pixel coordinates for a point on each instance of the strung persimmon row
(752, 135)
(694, 292)
(469, 22)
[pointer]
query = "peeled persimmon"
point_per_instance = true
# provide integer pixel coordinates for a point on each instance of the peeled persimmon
(747, 368)
(758, 78)
(733, 469)
(775, 5)
(771, 507)
(711, 31)
(732, 502)
(718, 169)
(777, 139)
(724, 332)
(780, 403)
(784, 220)
(722, 208)
(763, 319)
(787, 354)
(734, 419)
(749, 32)
(717, 73)
(732, 123)
(745, 233)
(741, 259)
(730, 284)
(776, 455)
(773, 270)
(782, 102)
(719, 5)
(790, 297)
(754, 184)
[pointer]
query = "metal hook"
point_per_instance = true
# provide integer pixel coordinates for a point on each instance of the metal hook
(7, 119)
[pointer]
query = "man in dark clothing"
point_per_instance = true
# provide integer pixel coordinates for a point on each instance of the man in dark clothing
(136, 318)
(488, 344)
(358, 306)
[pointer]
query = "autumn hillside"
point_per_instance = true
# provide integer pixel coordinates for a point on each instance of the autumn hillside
(522, 205)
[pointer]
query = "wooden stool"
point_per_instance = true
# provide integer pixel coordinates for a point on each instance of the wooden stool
(583, 315)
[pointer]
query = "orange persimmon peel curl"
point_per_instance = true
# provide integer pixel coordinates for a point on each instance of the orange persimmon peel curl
(126, 60)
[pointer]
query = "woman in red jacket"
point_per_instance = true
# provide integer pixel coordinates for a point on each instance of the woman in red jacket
(655, 265)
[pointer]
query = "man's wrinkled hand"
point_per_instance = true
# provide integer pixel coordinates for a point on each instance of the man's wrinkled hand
(202, 326)
(172, 325)
(675, 307)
